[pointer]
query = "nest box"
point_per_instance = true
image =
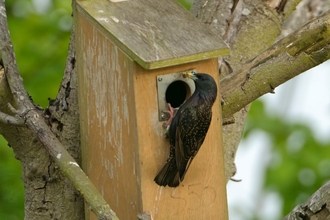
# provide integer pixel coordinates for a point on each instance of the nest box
(130, 56)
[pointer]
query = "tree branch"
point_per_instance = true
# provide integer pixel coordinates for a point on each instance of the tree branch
(36, 123)
(316, 207)
(237, 24)
(300, 51)
(11, 120)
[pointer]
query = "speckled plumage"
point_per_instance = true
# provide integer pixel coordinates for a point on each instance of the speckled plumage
(188, 130)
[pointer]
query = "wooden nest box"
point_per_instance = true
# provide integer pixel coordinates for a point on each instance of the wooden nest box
(130, 56)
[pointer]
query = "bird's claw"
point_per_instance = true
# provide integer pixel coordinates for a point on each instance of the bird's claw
(167, 124)
(171, 113)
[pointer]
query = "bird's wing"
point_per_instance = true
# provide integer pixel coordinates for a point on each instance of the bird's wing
(185, 132)
(191, 129)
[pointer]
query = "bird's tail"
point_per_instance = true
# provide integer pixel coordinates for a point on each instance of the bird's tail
(168, 175)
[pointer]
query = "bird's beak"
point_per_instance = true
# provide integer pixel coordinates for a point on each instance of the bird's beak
(189, 75)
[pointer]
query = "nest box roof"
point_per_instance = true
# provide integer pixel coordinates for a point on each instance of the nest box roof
(154, 33)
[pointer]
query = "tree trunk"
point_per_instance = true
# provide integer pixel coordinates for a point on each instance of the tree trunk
(48, 194)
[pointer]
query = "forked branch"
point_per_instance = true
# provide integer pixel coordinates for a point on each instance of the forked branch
(32, 117)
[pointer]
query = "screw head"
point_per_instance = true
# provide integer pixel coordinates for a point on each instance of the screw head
(160, 79)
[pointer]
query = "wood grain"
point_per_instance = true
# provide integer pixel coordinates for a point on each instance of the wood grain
(202, 194)
(123, 140)
(154, 34)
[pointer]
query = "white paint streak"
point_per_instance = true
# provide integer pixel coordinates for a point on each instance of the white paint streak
(58, 156)
(155, 45)
(111, 171)
(114, 19)
(134, 168)
(205, 4)
(246, 11)
(154, 40)
(116, 89)
(104, 162)
(157, 199)
(146, 31)
(115, 1)
(3, 11)
(90, 166)
(103, 19)
(102, 190)
(107, 101)
(73, 163)
(109, 138)
(88, 57)
(126, 112)
(289, 45)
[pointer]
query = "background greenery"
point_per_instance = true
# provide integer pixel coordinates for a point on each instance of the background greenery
(40, 33)
(299, 163)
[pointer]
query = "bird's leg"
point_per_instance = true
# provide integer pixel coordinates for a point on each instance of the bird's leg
(171, 113)
(167, 124)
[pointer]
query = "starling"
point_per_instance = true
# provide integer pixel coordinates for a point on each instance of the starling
(188, 129)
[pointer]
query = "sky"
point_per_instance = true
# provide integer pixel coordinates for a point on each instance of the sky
(302, 99)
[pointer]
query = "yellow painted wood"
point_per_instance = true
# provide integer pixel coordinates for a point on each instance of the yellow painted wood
(123, 142)
(154, 33)
(202, 194)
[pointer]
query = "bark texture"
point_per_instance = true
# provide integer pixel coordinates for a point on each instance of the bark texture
(48, 193)
(316, 207)
(249, 27)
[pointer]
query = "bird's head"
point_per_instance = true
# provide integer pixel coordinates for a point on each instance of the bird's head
(204, 83)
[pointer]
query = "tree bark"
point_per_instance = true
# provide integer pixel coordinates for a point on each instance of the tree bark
(249, 27)
(48, 193)
(316, 207)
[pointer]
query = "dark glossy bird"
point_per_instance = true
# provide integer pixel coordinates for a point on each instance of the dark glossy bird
(188, 129)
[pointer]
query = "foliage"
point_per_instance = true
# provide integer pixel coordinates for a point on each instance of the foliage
(11, 186)
(299, 162)
(186, 3)
(40, 35)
